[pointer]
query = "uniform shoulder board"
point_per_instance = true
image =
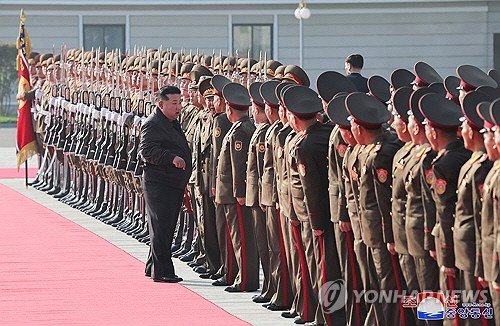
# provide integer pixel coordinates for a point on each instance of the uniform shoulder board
(421, 152)
(369, 148)
(409, 146)
(300, 138)
(378, 147)
(483, 158)
(475, 157)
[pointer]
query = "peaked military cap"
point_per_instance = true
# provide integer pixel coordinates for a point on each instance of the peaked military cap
(329, 83)
(279, 73)
(268, 93)
(205, 88)
(439, 112)
(243, 66)
(401, 78)
(425, 74)
(401, 102)
(302, 101)
(483, 110)
(255, 94)
(236, 96)
(198, 71)
(469, 109)
(471, 77)
(495, 74)
(450, 84)
(337, 111)
(379, 88)
(495, 112)
(271, 67)
(297, 75)
(438, 87)
(186, 70)
(491, 92)
(218, 82)
(414, 103)
(281, 89)
(366, 110)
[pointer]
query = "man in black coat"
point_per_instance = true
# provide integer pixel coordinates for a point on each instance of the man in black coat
(353, 65)
(167, 169)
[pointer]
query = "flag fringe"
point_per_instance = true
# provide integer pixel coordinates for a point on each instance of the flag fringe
(25, 153)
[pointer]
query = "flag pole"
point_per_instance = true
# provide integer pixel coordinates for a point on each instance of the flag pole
(26, 173)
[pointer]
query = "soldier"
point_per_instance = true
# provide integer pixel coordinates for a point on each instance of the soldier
(368, 115)
(277, 225)
(255, 169)
(310, 153)
(229, 269)
(441, 131)
(231, 188)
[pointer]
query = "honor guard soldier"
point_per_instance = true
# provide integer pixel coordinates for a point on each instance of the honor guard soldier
(441, 131)
(230, 190)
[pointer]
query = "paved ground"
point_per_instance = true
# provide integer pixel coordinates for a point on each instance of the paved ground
(238, 304)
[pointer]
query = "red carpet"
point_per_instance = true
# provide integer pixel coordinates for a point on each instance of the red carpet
(54, 272)
(12, 173)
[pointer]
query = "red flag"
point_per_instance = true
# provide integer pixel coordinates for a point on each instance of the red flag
(25, 136)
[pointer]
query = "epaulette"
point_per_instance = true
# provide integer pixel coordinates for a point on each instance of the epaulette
(496, 165)
(483, 158)
(409, 146)
(421, 152)
(300, 137)
(476, 156)
(369, 148)
(439, 155)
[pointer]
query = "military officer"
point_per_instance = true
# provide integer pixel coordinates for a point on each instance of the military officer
(230, 187)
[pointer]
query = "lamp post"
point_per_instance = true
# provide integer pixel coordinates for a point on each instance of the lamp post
(302, 12)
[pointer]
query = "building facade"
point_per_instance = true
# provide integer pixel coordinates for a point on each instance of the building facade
(389, 34)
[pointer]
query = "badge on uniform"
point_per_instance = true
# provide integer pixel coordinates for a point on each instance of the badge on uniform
(262, 147)
(354, 174)
(217, 132)
(341, 148)
(429, 176)
(302, 170)
(382, 175)
(481, 189)
(440, 186)
(238, 145)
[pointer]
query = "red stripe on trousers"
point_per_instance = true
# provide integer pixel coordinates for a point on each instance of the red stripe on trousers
(398, 285)
(243, 248)
(303, 268)
(452, 289)
(189, 208)
(350, 251)
(284, 277)
(229, 258)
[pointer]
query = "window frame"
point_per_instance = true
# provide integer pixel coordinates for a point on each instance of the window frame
(124, 27)
(271, 47)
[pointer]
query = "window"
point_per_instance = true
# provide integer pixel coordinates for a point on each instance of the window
(255, 38)
(104, 36)
(496, 51)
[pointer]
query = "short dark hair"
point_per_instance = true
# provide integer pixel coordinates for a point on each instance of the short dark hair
(165, 91)
(356, 60)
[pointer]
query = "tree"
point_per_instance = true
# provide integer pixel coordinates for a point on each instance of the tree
(8, 75)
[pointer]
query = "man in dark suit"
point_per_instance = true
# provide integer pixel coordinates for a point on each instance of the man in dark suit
(353, 65)
(167, 169)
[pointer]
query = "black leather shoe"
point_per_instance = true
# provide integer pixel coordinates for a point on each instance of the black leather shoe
(265, 305)
(206, 275)
(216, 276)
(201, 269)
(168, 279)
(232, 289)
(181, 252)
(312, 323)
(189, 256)
(299, 321)
(220, 282)
(274, 307)
(147, 274)
(260, 299)
(193, 264)
(288, 314)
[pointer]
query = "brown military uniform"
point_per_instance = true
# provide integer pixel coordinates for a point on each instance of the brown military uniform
(375, 208)
(490, 221)
(467, 227)
(421, 216)
(312, 163)
(230, 184)
(446, 168)
(355, 311)
(255, 170)
(277, 226)
(229, 268)
(305, 271)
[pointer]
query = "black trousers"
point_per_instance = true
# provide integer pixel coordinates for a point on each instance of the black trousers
(163, 204)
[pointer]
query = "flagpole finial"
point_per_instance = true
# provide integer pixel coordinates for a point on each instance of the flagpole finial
(23, 18)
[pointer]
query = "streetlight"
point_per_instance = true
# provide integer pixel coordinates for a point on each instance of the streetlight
(302, 12)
